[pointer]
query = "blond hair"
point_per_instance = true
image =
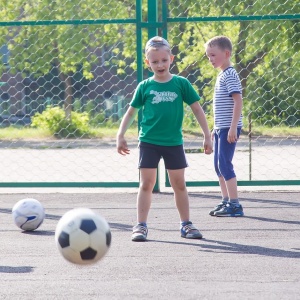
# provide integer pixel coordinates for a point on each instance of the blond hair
(156, 43)
(223, 42)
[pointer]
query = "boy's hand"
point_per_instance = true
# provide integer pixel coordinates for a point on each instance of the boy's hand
(122, 147)
(232, 135)
(207, 145)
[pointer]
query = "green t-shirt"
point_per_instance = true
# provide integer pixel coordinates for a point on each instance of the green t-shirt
(162, 109)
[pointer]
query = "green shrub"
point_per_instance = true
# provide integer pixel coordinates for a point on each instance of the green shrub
(88, 107)
(190, 121)
(97, 119)
(54, 119)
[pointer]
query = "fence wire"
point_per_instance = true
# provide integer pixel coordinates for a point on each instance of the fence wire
(69, 70)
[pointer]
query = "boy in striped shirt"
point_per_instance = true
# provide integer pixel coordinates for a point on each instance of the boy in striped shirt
(227, 105)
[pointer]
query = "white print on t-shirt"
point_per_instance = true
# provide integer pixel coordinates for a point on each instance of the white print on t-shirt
(163, 97)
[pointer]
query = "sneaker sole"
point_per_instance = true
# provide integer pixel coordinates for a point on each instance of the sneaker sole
(212, 212)
(198, 237)
(229, 215)
(138, 239)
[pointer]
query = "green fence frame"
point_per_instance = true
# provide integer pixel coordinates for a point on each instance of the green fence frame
(153, 25)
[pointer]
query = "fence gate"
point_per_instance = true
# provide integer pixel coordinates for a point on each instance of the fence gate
(69, 70)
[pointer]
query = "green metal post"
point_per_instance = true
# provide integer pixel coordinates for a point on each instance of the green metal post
(152, 18)
(139, 49)
(164, 19)
(139, 40)
(153, 31)
(250, 145)
(165, 36)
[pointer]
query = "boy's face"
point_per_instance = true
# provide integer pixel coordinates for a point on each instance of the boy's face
(218, 58)
(159, 61)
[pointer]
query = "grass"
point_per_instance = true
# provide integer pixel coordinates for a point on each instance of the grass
(27, 133)
(111, 132)
(279, 131)
(276, 131)
(22, 133)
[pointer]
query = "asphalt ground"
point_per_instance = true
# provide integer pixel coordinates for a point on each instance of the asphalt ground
(254, 257)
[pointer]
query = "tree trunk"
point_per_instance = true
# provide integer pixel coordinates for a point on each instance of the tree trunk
(68, 94)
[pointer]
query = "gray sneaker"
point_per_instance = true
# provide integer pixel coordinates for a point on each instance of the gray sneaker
(218, 207)
(139, 233)
(189, 231)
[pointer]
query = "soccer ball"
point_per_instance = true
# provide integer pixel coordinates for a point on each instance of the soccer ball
(28, 214)
(82, 236)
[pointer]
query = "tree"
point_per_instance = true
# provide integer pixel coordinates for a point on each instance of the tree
(36, 49)
(261, 47)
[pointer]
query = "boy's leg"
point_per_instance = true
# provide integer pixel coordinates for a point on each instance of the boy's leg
(226, 153)
(217, 142)
(222, 183)
(225, 197)
(231, 186)
(144, 197)
(223, 186)
(147, 182)
(177, 181)
(233, 208)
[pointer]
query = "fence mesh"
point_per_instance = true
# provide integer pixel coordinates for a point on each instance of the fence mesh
(69, 69)
(266, 56)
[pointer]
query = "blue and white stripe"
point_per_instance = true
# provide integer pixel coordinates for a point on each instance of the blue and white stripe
(228, 83)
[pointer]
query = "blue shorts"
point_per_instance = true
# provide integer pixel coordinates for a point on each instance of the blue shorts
(223, 153)
(173, 156)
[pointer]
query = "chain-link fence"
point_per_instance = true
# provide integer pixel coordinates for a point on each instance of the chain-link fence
(69, 69)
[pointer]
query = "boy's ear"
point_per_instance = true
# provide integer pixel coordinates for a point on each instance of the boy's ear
(148, 64)
(172, 58)
(228, 53)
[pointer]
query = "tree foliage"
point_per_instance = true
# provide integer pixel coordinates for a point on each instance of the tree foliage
(36, 49)
(266, 52)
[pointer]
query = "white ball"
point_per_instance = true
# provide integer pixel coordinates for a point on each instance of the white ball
(28, 214)
(82, 236)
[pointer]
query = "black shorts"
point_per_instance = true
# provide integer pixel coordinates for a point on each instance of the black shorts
(173, 156)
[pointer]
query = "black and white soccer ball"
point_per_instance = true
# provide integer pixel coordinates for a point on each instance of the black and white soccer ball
(82, 236)
(28, 214)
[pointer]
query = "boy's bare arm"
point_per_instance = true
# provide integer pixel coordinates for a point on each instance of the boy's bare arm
(128, 118)
(201, 118)
(237, 110)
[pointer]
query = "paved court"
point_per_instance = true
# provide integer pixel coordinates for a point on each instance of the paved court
(255, 257)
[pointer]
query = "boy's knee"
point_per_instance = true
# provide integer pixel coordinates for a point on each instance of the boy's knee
(147, 185)
(179, 185)
(228, 174)
(226, 170)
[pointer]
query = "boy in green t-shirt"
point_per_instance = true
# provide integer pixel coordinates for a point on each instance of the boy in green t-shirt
(161, 99)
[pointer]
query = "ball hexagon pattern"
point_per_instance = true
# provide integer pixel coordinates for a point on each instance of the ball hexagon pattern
(82, 236)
